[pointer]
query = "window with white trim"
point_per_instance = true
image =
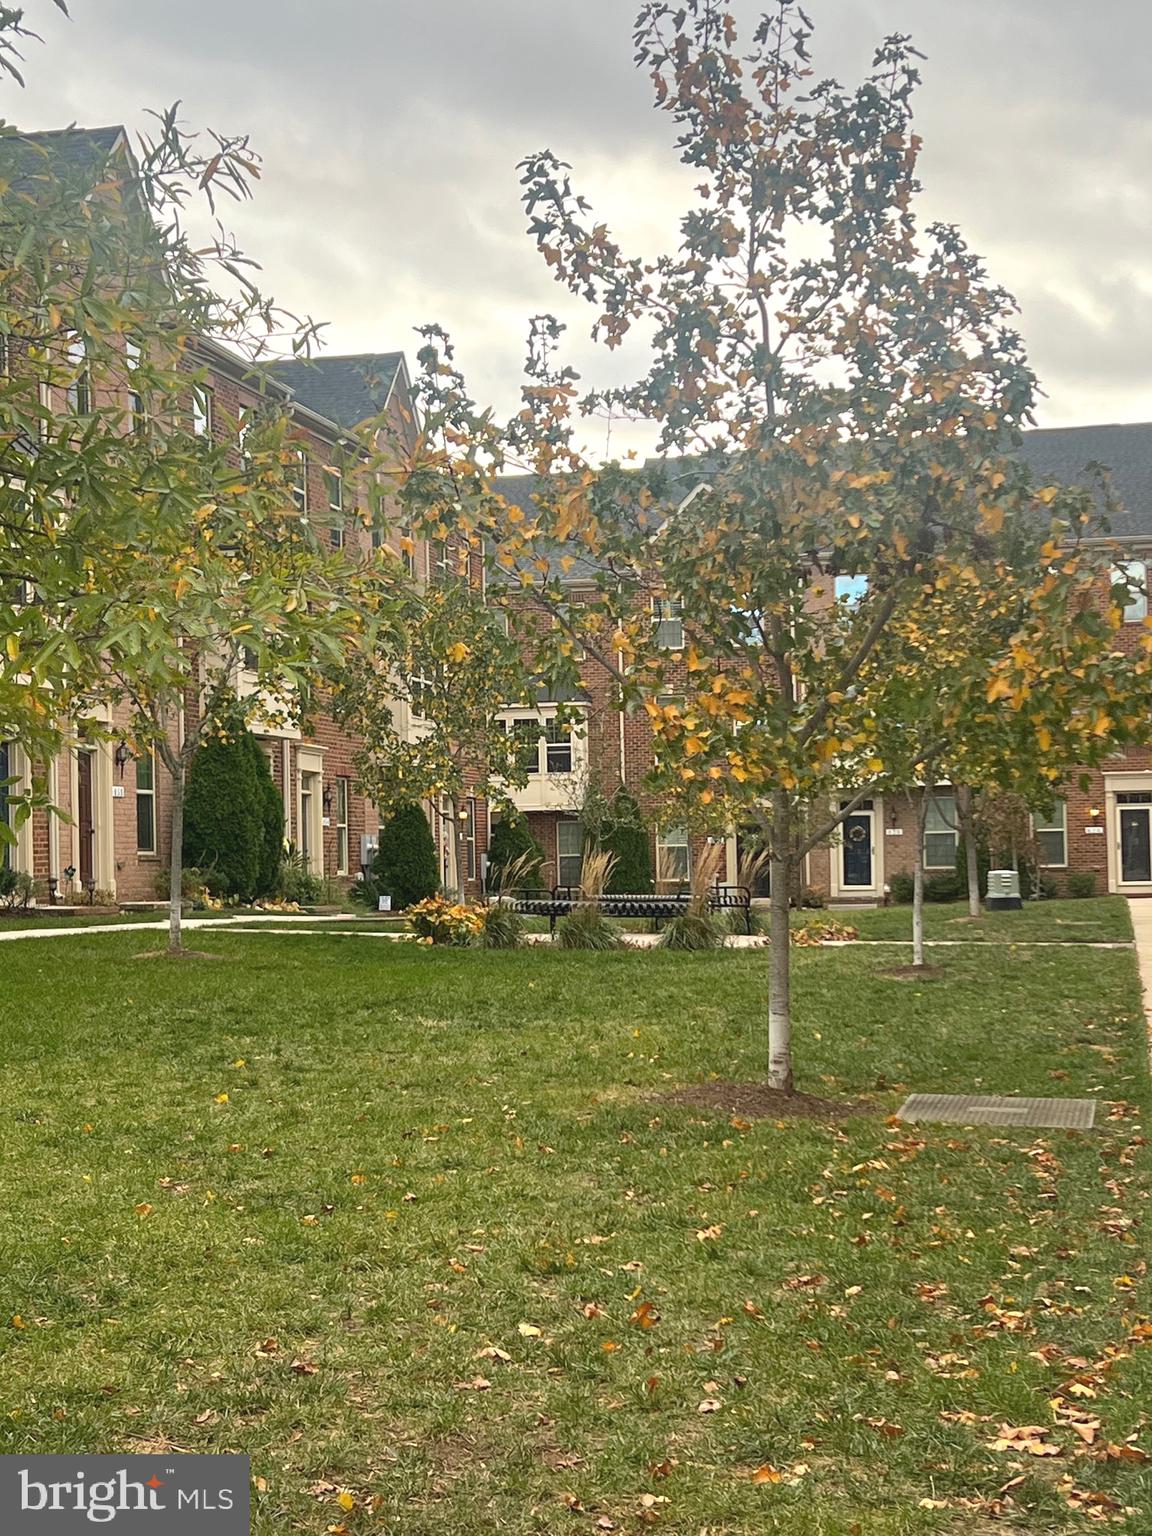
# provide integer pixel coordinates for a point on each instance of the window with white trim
(79, 391)
(203, 405)
(1132, 575)
(668, 622)
(673, 858)
(146, 803)
(340, 798)
(940, 831)
(1051, 833)
(569, 851)
(7, 772)
(557, 747)
(334, 484)
(298, 482)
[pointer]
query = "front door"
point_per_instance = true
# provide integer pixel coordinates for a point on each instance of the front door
(857, 850)
(1135, 843)
(85, 822)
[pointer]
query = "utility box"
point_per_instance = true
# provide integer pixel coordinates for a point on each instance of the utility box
(1004, 891)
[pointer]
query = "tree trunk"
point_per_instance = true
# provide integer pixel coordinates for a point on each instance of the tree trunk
(918, 881)
(780, 973)
(971, 852)
(176, 857)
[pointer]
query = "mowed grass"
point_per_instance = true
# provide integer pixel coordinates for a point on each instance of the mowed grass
(416, 1227)
(1096, 919)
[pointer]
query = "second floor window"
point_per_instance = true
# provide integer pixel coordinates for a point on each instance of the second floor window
(79, 378)
(334, 484)
(202, 404)
(1133, 575)
(298, 480)
(668, 620)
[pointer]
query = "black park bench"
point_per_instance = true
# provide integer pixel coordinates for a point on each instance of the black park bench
(565, 899)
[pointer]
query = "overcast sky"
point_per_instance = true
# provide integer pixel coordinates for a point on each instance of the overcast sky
(391, 131)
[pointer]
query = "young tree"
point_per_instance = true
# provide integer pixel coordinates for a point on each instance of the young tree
(837, 392)
(140, 558)
(460, 670)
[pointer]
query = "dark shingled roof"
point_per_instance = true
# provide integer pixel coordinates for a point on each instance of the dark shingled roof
(1064, 454)
(62, 150)
(347, 390)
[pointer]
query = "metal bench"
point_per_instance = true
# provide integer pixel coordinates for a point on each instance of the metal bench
(565, 899)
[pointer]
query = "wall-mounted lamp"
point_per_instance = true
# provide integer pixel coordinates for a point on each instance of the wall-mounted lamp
(1093, 810)
(327, 799)
(122, 755)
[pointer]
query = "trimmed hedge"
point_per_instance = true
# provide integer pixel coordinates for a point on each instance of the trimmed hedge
(226, 817)
(405, 866)
(627, 838)
(510, 840)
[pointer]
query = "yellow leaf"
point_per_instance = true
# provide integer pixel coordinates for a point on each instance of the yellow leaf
(766, 1474)
(345, 1500)
(458, 652)
(221, 1098)
(12, 646)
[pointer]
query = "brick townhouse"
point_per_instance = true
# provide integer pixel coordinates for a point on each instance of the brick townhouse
(108, 833)
(1104, 830)
(112, 828)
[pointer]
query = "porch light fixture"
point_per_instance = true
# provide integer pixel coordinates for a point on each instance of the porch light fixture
(122, 755)
(327, 799)
(70, 873)
(1094, 810)
(90, 887)
(53, 887)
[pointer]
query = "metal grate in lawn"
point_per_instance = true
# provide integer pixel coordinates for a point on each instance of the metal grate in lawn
(987, 1109)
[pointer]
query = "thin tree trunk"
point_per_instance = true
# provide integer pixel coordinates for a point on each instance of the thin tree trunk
(971, 852)
(918, 881)
(176, 858)
(780, 973)
(457, 849)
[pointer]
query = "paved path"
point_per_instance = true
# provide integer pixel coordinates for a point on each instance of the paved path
(189, 923)
(1141, 912)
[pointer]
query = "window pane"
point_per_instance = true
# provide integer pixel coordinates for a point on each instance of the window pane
(569, 852)
(559, 748)
(145, 773)
(942, 813)
(940, 850)
(1051, 846)
(672, 854)
(1135, 574)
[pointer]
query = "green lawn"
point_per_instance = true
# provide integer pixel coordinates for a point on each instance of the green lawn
(1093, 919)
(392, 1220)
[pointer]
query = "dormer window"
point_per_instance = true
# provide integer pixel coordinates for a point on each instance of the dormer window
(1132, 575)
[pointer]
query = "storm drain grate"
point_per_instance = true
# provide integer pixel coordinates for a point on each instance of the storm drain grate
(987, 1109)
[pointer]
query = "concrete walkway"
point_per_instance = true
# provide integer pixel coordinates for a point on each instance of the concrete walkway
(1141, 913)
(189, 924)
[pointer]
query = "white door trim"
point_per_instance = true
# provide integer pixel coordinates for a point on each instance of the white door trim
(840, 891)
(1118, 784)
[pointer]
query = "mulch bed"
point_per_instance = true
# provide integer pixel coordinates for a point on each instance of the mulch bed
(756, 1101)
(913, 972)
(185, 954)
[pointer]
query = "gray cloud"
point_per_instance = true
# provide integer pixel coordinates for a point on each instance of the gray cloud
(391, 134)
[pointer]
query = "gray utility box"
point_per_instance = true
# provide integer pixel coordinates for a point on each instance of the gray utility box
(1004, 891)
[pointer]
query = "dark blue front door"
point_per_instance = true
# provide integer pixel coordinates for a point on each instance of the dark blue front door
(857, 851)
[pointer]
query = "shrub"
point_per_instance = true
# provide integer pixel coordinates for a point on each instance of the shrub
(295, 882)
(224, 811)
(733, 919)
(626, 837)
(811, 897)
(192, 886)
(1082, 883)
(405, 863)
(902, 888)
(943, 887)
(16, 890)
(692, 930)
(511, 840)
(441, 921)
(270, 812)
(822, 930)
(500, 928)
(587, 928)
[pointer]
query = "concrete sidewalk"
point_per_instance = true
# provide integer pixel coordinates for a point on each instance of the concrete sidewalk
(188, 924)
(1141, 913)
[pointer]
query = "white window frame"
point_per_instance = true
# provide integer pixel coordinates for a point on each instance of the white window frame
(470, 837)
(563, 858)
(947, 827)
(299, 483)
(673, 838)
(341, 801)
(334, 484)
(148, 795)
(1056, 826)
(668, 623)
(1136, 609)
(79, 389)
(203, 410)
